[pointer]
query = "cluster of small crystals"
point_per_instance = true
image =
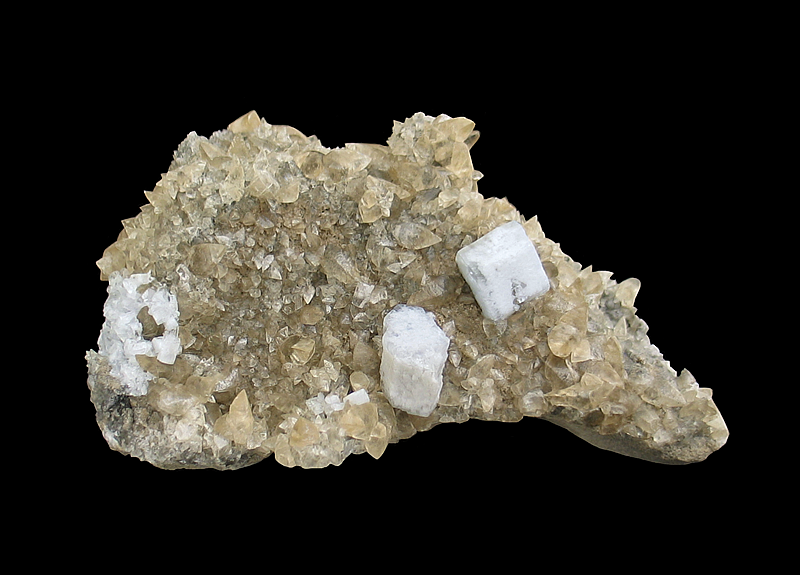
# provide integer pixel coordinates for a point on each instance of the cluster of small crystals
(285, 256)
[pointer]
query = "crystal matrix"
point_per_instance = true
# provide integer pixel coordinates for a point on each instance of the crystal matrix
(247, 303)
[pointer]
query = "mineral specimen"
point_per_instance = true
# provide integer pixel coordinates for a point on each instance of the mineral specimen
(249, 311)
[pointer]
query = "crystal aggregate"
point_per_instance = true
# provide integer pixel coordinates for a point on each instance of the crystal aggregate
(249, 299)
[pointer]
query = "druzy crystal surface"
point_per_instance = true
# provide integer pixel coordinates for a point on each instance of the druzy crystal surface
(247, 301)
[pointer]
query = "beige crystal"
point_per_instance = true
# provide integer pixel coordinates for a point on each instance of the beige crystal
(237, 425)
(285, 256)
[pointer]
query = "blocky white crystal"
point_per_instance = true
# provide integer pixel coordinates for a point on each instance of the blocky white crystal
(357, 397)
(414, 354)
(167, 347)
(503, 270)
(121, 338)
(326, 404)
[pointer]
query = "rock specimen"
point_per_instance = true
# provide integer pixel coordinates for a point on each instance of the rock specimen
(250, 311)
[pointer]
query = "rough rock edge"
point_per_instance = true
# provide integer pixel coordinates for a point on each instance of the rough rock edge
(121, 420)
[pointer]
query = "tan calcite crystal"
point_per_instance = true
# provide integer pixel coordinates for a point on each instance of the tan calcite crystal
(285, 256)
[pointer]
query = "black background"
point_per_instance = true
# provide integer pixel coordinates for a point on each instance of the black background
(624, 159)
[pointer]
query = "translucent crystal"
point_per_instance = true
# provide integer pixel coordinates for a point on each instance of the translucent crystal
(238, 424)
(414, 236)
(250, 310)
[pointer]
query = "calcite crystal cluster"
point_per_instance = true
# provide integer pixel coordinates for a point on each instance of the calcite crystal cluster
(278, 296)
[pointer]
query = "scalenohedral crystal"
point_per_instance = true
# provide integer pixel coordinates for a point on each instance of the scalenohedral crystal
(250, 311)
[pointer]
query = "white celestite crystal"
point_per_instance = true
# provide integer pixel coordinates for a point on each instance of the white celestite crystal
(121, 338)
(503, 270)
(414, 354)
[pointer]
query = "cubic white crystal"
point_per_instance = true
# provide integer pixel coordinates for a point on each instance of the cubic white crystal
(414, 354)
(503, 270)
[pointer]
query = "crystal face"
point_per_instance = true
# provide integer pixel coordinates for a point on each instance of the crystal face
(503, 270)
(414, 354)
(249, 304)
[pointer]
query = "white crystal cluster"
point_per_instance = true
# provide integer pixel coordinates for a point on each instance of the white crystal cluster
(322, 404)
(414, 354)
(121, 338)
(503, 270)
